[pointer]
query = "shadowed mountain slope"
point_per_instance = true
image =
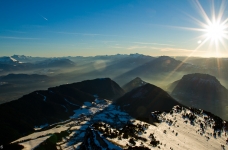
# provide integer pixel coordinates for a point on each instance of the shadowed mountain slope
(201, 91)
(56, 104)
(102, 87)
(140, 102)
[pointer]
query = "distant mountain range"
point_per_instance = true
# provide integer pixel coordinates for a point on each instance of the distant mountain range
(160, 64)
(10, 64)
(28, 59)
(8, 60)
(156, 70)
(159, 70)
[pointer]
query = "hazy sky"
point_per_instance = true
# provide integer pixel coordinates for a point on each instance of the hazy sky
(100, 27)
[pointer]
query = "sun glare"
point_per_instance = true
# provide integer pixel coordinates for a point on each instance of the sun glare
(213, 28)
(215, 31)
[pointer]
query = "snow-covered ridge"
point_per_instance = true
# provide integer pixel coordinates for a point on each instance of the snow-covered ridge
(6, 59)
(104, 125)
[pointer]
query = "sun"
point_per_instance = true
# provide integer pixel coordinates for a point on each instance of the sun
(215, 31)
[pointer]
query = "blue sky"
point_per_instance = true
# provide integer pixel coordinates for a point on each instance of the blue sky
(100, 27)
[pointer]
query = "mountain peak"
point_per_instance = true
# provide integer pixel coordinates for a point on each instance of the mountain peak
(141, 101)
(138, 78)
(165, 58)
(137, 82)
(201, 78)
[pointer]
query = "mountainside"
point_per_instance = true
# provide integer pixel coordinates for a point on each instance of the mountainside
(130, 61)
(14, 86)
(201, 91)
(210, 63)
(104, 126)
(50, 106)
(15, 66)
(160, 64)
(181, 128)
(137, 82)
(141, 101)
(101, 87)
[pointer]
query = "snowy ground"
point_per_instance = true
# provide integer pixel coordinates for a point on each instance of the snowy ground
(179, 134)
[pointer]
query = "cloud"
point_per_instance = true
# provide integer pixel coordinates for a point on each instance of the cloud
(175, 49)
(44, 18)
(153, 44)
(137, 47)
(108, 41)
(162, 49)
(117, 47)
(18, 38)
(15, 31)
(134, 47)
(92, 34)
(85, 34)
